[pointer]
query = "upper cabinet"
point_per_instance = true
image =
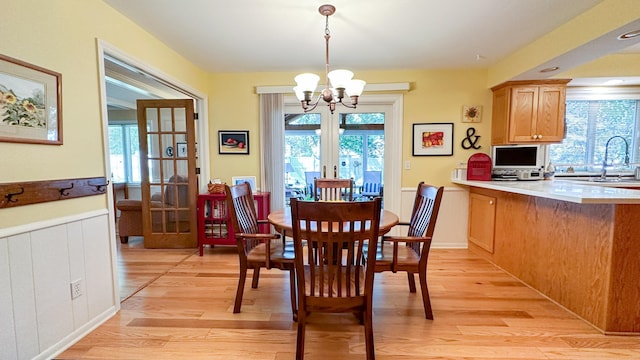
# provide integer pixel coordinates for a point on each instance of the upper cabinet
(528, 111)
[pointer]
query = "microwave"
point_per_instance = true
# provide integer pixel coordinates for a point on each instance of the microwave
(516, 157)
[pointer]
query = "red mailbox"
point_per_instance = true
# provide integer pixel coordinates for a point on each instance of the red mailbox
(479, 167)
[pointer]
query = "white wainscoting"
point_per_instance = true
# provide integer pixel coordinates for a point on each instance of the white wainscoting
(38, 262)
(451, 227)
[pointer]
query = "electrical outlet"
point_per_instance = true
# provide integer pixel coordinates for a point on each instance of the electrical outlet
(76, 289)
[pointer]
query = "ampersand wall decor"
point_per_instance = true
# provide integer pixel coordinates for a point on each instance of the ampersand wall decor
(471, 140)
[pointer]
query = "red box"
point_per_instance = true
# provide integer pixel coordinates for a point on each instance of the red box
(479, 167)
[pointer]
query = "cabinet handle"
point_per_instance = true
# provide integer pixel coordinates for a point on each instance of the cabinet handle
(490, 202)
(539, 136)
(534, 136)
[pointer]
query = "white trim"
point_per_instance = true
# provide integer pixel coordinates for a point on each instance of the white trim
(603, 93)
(39, 225)
(288, 89)
(66, 342)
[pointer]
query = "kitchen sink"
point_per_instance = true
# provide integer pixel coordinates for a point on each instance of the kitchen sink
(613, 180)
(610, 181)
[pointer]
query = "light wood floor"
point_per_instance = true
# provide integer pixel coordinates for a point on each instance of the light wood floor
(138, 267)
(480, 313)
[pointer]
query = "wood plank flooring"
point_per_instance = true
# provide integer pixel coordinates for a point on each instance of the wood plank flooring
(480, 313)
(138, 267)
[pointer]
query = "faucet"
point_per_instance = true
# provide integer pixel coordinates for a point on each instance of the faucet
(603, 175)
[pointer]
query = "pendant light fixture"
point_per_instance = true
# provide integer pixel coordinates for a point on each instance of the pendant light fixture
(338, 82)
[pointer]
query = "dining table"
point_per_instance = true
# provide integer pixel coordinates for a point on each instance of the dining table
(281, 221)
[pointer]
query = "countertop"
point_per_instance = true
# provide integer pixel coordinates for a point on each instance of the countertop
(581, 192)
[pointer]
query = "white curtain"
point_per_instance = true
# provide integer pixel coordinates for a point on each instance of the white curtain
(272, 143)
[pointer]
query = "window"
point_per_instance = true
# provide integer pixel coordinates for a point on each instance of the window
(592, 121)
(124, 150)
(360, 144)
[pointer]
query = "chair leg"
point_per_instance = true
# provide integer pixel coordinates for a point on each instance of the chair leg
(426, 302)
(293, 290)
(368, 335)
(240, 291)
(256, 277)
(412, 282)
(300, 339)
(124, 239)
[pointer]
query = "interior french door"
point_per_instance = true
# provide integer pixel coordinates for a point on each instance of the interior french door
(168, 171)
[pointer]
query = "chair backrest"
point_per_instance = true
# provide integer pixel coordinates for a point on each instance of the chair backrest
(331, 266)
(424, 214)
(181, 197)
(333, 189)
(243, 215)
(372, 184)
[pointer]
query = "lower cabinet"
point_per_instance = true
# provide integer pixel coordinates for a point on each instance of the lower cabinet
(482, 218)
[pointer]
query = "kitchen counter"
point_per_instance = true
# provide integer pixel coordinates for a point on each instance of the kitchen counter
(576, 243)
(580, 192)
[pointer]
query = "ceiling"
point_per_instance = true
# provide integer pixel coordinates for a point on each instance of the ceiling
(288, 35)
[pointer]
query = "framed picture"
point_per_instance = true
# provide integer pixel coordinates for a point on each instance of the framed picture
(182, 149)
(30, 103)
(472, 114)
(433, 139)
(240, 179)
(233, 142)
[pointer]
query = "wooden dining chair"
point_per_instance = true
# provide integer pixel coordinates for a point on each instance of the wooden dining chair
(410, 253)
(332, 277)
(256, 250)
(326, 189)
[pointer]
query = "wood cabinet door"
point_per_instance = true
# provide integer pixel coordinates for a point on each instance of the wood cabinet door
(550, 121)
(523, 114)
(482, 217)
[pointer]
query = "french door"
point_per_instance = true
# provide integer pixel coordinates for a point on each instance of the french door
(168, 173)
(347, 144)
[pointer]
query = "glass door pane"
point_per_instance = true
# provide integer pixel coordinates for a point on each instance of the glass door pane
(302, 156)
(344, 144)
(361, 149)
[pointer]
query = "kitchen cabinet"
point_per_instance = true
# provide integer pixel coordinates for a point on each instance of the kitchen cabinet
(214, 221)
(528, 112)
(482, 216)
(575, 244)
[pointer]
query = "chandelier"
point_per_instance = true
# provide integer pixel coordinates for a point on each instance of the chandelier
(338, 82)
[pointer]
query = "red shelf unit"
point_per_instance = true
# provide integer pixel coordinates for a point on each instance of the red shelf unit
(214, 222)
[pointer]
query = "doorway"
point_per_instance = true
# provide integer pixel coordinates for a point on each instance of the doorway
(123, 80)
(384, 113)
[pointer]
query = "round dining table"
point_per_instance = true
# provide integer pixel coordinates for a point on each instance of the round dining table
(281, 220)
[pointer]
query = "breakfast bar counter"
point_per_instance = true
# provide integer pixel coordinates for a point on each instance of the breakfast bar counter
(577, 244)
(564, 190)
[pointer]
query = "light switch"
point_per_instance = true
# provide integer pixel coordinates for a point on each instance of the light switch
(407, 165)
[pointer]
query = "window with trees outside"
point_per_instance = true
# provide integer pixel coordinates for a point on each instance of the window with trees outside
(591, 122)
(124, 150)
(360, 143)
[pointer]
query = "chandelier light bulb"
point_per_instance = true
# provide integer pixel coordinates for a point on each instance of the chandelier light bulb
(307, 82)
(355, 87)
(340, 78)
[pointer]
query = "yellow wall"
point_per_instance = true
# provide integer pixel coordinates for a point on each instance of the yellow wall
(435, 96)
(608, 66)
(592, 24)
(60, 35)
